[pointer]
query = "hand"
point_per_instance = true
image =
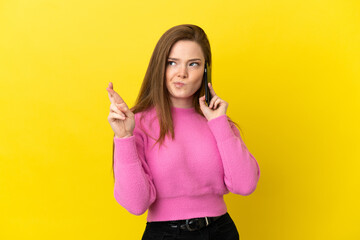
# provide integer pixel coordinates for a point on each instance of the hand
(121, 119)
(216, 108)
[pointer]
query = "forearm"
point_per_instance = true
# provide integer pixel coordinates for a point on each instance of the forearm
(133, 188)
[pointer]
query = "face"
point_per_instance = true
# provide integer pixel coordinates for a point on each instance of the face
(185, 65)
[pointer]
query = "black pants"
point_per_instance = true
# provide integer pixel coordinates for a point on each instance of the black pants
(222, 229)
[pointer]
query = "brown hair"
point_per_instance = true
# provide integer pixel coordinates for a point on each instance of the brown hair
(154, 93)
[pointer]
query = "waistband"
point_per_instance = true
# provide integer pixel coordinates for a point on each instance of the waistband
(190, 225)
(186, 207)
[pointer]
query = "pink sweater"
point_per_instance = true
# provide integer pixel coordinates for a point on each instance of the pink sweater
(188, 176)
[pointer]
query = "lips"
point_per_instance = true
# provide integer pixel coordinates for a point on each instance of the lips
(179, 84)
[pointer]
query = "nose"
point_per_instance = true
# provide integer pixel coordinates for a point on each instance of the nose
(182, 72)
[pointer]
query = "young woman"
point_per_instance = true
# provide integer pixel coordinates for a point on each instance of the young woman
(200, 155)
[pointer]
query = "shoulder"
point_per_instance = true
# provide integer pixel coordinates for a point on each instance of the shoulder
(145, 115)
(144, 120)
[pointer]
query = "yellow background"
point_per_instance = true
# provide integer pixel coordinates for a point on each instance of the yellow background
(290, 71)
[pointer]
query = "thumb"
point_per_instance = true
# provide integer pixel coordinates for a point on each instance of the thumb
(125, 109)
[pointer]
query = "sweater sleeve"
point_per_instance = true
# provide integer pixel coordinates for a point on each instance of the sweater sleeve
(241, 170)
(134, 188)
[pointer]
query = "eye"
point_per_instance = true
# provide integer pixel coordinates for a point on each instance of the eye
(169, 62)
(195, 63)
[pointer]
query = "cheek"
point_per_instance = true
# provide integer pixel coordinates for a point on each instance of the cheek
(198, 78)
(199, 74)
(198, 84)
(169, 75)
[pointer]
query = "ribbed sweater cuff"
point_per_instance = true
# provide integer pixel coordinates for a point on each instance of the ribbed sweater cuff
(125, 150)
(221, 128)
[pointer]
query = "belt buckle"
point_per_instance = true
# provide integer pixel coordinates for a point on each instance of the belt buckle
(195, 219)
(188, 226)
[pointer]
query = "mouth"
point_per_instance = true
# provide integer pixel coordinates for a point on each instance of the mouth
(179, 84)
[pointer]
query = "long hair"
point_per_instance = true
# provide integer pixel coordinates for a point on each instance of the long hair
(153, 91)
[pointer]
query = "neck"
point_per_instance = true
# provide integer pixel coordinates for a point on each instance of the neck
(182, 103)
(182, 110)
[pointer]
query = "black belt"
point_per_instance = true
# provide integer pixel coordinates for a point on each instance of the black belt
(193, 223)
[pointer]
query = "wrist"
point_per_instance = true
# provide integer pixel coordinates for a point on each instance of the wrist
(126, 136)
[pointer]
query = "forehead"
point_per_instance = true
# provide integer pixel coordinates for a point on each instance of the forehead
(186, 49)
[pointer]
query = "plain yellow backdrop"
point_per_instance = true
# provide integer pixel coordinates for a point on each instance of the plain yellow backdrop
(290, 71)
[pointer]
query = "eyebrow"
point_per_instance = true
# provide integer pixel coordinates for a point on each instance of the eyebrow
(189, 59)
